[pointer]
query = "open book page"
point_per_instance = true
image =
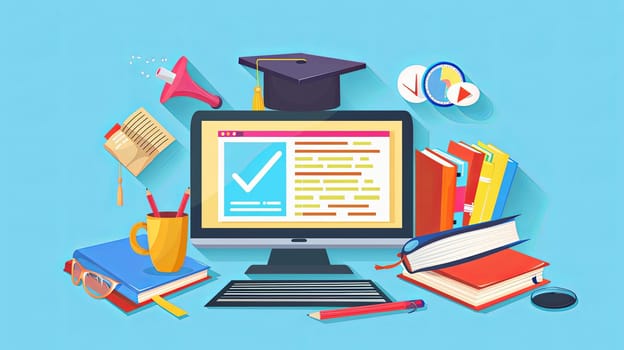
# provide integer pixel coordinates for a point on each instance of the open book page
(138, 141)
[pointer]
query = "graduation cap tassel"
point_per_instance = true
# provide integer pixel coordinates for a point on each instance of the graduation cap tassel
(257, 103)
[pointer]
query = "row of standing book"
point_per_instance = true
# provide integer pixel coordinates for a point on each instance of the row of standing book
(464, 185)
(462, 245)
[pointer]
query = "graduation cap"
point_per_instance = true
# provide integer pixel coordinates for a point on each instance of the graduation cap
(298, 81)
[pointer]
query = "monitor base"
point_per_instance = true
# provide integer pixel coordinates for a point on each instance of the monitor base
(298, 261)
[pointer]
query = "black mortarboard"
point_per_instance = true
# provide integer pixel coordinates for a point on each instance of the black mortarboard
(300, 82)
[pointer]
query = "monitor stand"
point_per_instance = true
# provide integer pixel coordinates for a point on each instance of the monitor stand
(298, 261)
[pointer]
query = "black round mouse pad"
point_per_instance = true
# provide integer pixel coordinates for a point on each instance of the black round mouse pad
(553, 298)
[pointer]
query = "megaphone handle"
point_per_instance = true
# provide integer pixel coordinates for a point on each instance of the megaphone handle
(213, 100)
(193, 90)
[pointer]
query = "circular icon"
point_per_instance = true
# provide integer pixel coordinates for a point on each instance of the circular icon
(438, 79)
(463, 94)
(409, 83)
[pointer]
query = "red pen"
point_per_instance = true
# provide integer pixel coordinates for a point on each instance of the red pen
(152, 203)
(185, 198)
(368, 309)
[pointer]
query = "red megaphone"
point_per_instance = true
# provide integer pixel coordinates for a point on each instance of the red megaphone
(179, 83)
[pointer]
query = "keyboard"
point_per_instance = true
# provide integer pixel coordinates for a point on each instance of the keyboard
(299, 293)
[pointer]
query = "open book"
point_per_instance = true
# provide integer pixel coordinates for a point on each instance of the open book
(137, 141)
(458, 245)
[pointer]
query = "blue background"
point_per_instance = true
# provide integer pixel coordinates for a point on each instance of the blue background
(551, 73)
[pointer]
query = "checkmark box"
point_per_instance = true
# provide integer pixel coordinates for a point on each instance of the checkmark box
(254, 175)
(248, 187)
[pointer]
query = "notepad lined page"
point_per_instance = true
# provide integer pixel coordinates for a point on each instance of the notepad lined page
(146, 132)
(138, 141)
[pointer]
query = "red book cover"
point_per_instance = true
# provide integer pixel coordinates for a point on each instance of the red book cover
(488, 271)
(435, 193)
(126, 305)
(474, 158)
(493, 268)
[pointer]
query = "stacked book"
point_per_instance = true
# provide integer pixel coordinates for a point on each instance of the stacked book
(462, 249)
(139, 283)
(473, 265)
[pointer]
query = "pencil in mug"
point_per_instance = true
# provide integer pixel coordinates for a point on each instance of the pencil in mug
(152, 203)
(185, 198)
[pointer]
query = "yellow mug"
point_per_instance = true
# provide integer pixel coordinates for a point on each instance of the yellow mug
(166, 238)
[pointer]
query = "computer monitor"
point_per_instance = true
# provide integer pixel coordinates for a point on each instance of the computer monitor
(300, 182)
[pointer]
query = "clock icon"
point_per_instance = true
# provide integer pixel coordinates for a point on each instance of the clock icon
(437, 81)
(409, 84)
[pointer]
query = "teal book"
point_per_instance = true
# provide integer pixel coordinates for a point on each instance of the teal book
(503, 193)
(138, 280)
(460, 189)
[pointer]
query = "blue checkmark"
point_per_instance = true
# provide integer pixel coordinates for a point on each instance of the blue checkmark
(254, 176)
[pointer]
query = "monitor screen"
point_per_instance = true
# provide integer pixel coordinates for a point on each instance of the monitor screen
(340, 178)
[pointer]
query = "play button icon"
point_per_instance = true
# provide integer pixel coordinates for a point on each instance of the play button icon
(463, 94)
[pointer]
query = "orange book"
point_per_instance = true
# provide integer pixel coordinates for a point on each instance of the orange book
(435, 192)
(484, 282)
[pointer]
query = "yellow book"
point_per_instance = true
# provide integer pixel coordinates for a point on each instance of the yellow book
(499, 160)
(485, 179)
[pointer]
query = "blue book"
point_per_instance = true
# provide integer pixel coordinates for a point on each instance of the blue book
(459, 245)
(503, 193)
(460, 188)
(138, 280)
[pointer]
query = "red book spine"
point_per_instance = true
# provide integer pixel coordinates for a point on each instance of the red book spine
(449, 185)
(435, 195)
(475, 162)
